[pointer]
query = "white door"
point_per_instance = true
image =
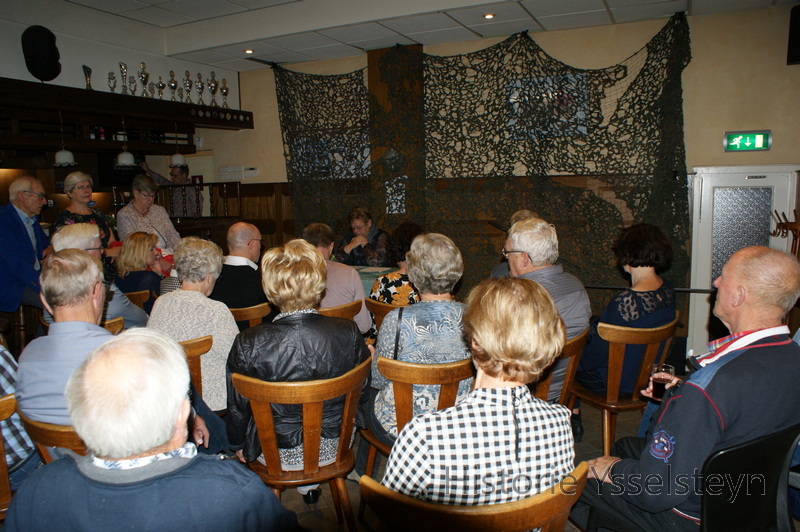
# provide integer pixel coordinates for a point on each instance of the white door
(732, 208)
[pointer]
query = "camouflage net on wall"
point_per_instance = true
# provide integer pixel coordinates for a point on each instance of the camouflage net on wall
(504, 128)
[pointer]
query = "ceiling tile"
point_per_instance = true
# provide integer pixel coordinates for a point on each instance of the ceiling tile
(301, 41)
(154, 2)
(239, 65)
(633, 3)
(111, 6)
(358, 32)
(501, 12)
(420, 23)
(443, 36)
(382, 42)
(203, 9)
(548, 8)
(204, 56)
(506, 28)
(643, 12)
(157, 17)
(332, 52)
(259, 4)
(575, 20)
(258, 47)
(284, 57)
(704, 7)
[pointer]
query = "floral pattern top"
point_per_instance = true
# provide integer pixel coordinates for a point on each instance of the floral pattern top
(394, 289)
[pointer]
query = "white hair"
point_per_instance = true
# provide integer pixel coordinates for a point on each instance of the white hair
(125, 398)
(76, 236)
(20, 184)
(537, 238)
(196, 258)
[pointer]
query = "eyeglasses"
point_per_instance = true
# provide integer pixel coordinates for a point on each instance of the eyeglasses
(507, 251)
(82, 187)
(41, 196)
(175, 174)
(100, 249)
(146, 195)
(259, 240)
(357, 227)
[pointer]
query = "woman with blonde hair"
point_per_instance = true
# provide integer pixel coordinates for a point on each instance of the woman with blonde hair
(138, 267)
(299, 345)
(501, 443)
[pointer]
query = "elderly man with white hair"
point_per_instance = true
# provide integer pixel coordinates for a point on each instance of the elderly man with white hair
(87, 237)
(128, 404)
(24, 244)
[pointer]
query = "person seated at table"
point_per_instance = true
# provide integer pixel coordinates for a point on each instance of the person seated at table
(78, 188)
(366, 245)
(189, 313)
(426, 333)
(394, 288)
(141, 214)
(299, 345)
(342, 283)
(498, 444)
(138, 267)
(643, 252)
(128, 404)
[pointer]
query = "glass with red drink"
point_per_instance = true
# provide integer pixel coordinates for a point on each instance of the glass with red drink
(662, 375)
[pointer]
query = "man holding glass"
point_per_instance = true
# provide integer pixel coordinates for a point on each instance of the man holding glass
(737, 393)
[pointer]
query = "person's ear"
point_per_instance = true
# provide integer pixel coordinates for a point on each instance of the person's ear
(740, 296)
(46, 306)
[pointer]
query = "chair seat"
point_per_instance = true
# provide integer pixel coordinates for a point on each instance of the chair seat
(624, 403)
(291, 479)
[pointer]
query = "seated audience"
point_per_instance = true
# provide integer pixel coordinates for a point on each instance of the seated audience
(78, 188)
(426, 333)
(21, 456)
(394, 288)
(188, 313)
(128, 404)
(342, 283)
(738, 392)
(366, 245)
(138, 267)
(86, 237)
(643, 252)
(24, 244)
(299, 345)
(501, 270)
(500, 443)
(141, 214)
(239, 284)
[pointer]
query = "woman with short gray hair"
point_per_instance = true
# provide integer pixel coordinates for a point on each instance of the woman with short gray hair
(188, 313)
(142, 214)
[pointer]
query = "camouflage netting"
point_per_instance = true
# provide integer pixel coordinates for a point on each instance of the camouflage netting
(504, 128)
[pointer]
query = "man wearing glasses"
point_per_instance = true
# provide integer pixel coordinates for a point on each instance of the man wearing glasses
(23, 244)
(532, 252)
(187, 206)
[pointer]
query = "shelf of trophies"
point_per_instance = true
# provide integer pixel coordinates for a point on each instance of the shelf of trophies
(41, 116)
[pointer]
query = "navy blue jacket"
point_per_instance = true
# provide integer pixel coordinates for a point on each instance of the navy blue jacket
(17, 258)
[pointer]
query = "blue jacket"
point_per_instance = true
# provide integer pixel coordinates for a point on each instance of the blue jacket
(17, 258)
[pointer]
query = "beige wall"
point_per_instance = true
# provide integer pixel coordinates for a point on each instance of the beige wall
(737, 80)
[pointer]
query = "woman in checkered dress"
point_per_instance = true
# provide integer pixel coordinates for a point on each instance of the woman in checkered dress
(500, 443)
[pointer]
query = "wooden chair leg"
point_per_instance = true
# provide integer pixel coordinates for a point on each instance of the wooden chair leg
(609, 430)
(344, 499)
(373, 453)
(277, 492)
(336, 501)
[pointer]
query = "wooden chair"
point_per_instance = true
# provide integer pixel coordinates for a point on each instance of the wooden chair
(139, 298)
(347, 311)
(379, 310)
(572, 351)
(194, 349)
(252, 315)
(657, 340)
(8, 405)
(46, 435)
(548, 509)
(404, 375)
(114, 325)
(310, 395)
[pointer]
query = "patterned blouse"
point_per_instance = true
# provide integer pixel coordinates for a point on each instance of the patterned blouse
(156, 222)
(394, 289)
(430, 333)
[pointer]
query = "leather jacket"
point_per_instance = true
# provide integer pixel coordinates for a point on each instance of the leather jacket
(298, 347)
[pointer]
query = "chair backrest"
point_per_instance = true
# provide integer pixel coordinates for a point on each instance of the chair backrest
(746, 485)
(548, 509)
(194, 349)
(114, 325)
(312, 395)
(8, 405)
(572, 351)
(404, 375)
(379, 310)
(252, 315)
(347, 311)
(46, 435)
(138, 298)
(657, 340)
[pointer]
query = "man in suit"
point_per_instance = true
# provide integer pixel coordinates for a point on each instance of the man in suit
(23, 243)
(239, 284)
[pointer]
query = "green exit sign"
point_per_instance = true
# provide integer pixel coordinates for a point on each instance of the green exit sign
(747, 140)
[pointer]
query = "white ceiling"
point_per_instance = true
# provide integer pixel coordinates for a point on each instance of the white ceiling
(217, 32)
